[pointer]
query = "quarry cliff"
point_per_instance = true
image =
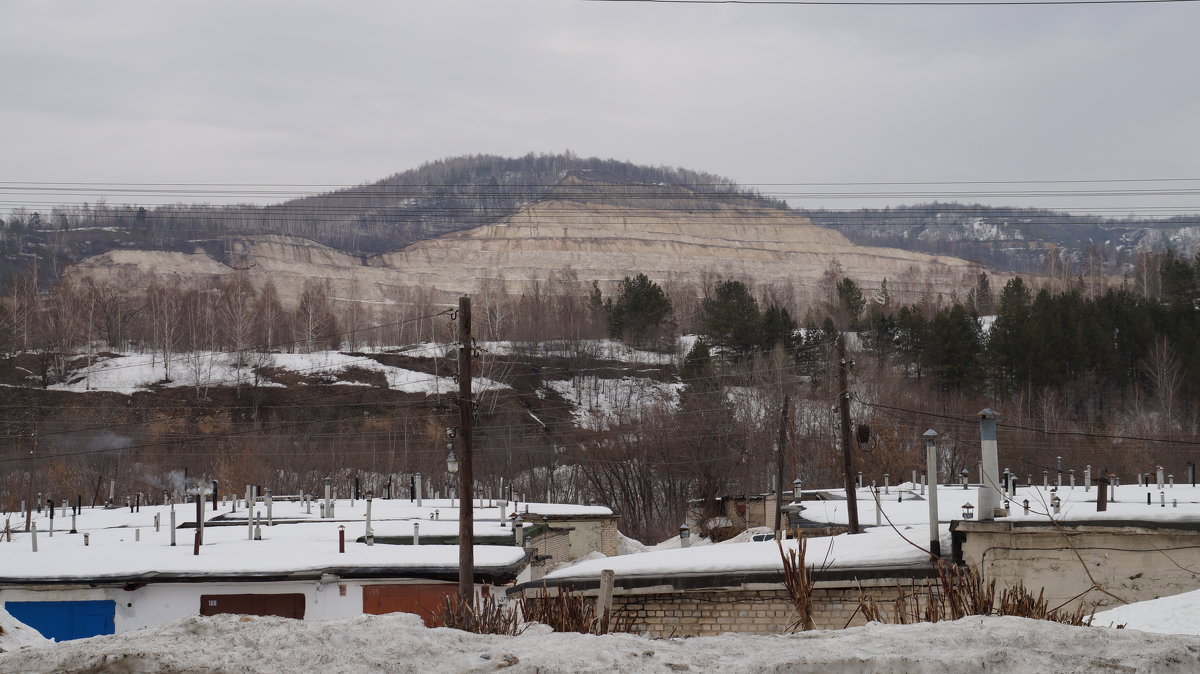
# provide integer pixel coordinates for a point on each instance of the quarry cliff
(601, 242)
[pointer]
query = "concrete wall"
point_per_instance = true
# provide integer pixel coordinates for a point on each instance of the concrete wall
(1134, 562)
(161, 603)
(589, 535)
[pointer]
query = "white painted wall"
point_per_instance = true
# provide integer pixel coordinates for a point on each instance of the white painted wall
(164, 602)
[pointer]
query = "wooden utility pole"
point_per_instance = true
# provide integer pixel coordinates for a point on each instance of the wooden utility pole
(844, 404)
(466, 411)
(783, 424)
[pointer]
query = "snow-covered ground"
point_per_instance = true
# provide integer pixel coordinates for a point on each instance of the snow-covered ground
(600, 404)
(400, 643)
(608, 349)
(128, 373)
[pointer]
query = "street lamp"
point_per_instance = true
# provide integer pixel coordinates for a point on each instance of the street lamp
(452, 462)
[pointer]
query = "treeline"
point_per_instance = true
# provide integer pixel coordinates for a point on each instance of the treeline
(1022, 240)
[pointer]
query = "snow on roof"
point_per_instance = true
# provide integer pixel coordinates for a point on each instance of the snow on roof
(879, 548)
(906, 505)
(1177, 614)
(399, 642)
(298, 543)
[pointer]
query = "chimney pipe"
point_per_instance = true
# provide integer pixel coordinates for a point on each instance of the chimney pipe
(935, 543)
(989, 494)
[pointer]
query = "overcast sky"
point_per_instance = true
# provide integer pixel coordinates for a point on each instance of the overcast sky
(349, 92)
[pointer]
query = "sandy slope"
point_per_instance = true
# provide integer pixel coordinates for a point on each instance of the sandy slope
(597, 242)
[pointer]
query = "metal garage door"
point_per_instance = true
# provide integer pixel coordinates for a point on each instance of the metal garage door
(282, 605)
(65, 620)
(424, 599)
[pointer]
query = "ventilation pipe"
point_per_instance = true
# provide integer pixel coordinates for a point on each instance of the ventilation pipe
(989, 494)
(935, 542)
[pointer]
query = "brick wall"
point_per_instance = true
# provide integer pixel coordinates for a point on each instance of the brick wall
(609, 538)
(765, 611)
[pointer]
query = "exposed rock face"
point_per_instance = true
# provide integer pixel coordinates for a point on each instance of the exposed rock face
(600, 242)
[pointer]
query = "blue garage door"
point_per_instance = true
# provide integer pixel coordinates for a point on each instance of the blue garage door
(64, 620)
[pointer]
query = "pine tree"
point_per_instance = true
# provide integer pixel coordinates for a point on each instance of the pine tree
(731, 317)
(1009, 340)
(778, 329)
(953, 349)
(641, 314)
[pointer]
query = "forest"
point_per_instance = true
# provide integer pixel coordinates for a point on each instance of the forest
(653, 399)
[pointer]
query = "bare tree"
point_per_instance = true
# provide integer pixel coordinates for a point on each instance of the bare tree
(237, 304)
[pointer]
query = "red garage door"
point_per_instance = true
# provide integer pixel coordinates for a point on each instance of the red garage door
(282, 605)
(423, 599)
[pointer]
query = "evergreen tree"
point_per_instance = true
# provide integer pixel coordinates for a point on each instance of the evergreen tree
(953, 348)
(731, 317)
(697, 371)
(850, 303)
(1179, 280)
(911, 329)
(1009, 340)
(641, 314)
(879, 333)
(778, 329)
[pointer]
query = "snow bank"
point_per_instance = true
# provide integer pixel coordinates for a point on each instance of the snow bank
(400, 643)
(629, 546)
(16, 635)
(1178, 614)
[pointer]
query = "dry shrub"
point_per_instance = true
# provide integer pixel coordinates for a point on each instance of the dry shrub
(482, 616)
(799, 580)
(563, 612)
(960, 592)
